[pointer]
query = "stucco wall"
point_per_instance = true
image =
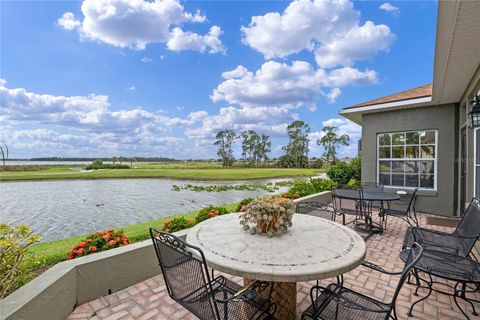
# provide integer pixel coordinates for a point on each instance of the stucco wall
(443, 201)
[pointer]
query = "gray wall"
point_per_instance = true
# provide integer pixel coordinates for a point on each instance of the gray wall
(442, 118)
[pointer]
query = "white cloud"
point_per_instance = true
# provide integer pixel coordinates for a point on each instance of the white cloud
(68, 21)
(146, 60)
(317, 25)
(344, 126)
(281, 84)
(132, 88)
(181, 41)
(333, 94)
(137, 23)
(390, 8)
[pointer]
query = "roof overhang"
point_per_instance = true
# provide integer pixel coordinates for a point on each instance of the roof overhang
(457, 49)
(355, 114)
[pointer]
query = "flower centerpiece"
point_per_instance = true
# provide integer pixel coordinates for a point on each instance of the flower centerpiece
(267, 215)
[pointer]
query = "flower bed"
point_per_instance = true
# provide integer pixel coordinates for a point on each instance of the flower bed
(99, 241)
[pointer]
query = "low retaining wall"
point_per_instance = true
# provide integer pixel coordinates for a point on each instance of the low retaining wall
(54, 294)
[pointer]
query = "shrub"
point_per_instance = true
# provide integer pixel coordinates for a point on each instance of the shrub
(210, 212)
(243, 203)
(97, 162)
(342, 172)
(307, 187)
(14, 243)
(107, 166)
(177, 224)
(99, 241)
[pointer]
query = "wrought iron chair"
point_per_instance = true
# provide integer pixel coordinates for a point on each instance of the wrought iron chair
(317, 209)
(409, 214)
(189, 283)
(460, 242)
(348, 201)
(373, 186)
(337, 302)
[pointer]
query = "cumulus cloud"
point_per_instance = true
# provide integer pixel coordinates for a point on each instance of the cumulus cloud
(321, 26)
(181, 40)
(344, 126)
(390, 8)
(137, 23)
(290, 85)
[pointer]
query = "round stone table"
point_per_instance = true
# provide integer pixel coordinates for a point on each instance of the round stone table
(313, 249)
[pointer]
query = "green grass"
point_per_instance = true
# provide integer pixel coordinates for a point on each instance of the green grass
(157, 171)
(49, 253)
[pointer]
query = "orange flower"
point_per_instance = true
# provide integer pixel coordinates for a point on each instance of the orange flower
(82, 244)
(100, 232)
(89, 240)
(80, 251)
(117, 239)
(125, 242)
(166, 230)
(93, 249)
(111, 243)
(106, 237)
(296, 196)
(110, 231)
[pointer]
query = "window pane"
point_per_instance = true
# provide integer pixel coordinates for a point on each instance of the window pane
(398, 138)
(413, 138)
(398, 166)
(427, 137)
(385, 179)
(426, 181)
(384, 139)
(398, 180)
(398, 152)
(411, 166)
(413, 152)
(384, 166)
(427, 167)
(411, 180)
(428, 152)
(384, 152)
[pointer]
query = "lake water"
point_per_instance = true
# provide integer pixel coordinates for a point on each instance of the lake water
(61, 209)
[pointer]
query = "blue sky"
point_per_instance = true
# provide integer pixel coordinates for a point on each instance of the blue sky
(160, 78)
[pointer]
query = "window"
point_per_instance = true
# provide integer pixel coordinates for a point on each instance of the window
(477, 163)
(407, 159)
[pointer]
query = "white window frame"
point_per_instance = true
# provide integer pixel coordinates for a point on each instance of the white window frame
(475, 165)
(435, 160)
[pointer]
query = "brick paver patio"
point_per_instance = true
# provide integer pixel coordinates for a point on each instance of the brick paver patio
(149, 299)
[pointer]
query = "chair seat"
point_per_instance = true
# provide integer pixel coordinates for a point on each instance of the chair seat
(394, 213)
(327, 307)
(248, 306)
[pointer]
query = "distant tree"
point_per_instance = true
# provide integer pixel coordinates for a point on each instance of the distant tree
(4, 153)
(97, 163)
(296, 152)
(330, 141)
(262, 148)
(224, 142)
(114, 160)
(132, 160)
(246, 144)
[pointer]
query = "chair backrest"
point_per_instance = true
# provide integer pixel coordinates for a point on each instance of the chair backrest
(316, 208)
(414, 254)
(469, 226)
(344, 196)
(373, 186)
(186, 275)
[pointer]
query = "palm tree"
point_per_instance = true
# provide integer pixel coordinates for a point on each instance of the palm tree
(4, 152)
(114, 160)
(132, 160)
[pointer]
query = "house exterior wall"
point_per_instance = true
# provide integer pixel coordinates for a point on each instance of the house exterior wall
(444, 118)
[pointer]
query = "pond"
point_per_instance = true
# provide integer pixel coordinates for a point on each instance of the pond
(62, 209)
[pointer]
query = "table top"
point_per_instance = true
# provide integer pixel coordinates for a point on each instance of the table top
(368, 195)
(313, 249)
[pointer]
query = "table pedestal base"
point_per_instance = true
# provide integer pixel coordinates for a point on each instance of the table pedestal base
(284, 295)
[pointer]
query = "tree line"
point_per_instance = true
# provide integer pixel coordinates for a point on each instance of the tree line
(255, 147)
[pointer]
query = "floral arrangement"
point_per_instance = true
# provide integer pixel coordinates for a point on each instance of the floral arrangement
(99, 241)
(268, 215)
(210, 212)
(177, 224)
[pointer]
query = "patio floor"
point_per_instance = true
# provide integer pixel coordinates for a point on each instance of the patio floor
(149, 299)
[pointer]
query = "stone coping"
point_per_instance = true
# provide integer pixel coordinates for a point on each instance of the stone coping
(55, 293)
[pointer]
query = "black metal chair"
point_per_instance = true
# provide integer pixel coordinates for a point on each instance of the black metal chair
(337, 302)
(349, 201)
(317, 209)
(409, 214)
(189, 283)
(373, 186)
(460, 242)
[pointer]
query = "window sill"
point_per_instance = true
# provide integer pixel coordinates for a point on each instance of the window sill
(421, 192)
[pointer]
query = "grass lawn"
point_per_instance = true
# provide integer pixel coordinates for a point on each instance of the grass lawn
(49, 253)
(157, 171)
